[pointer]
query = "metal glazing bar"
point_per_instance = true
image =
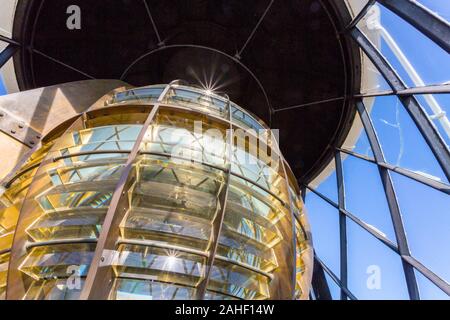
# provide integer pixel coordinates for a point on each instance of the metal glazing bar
(89, 153)
(161, 245)
(5, 251)
(335, 278)
(99, 278)
(31, 245)
(378, 60)
(430, 24)
(438, 281)
(360, 15)
(217, 222)
(7, 53)
(342, 222)
(8, 40)
(418, 115)
(291, 211)
(391, 199)
(431, 89)
(314, 103)
(62, 63)
(319, 283)
(239, 54)
(15, 173)
(443, 187)
(147, 8)
(359, 222)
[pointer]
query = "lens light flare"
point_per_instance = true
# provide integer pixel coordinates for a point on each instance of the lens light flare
(212, 80)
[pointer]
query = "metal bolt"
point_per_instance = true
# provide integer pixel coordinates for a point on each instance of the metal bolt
(13, 131)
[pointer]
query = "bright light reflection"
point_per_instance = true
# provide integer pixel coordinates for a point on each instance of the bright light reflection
(171, 260)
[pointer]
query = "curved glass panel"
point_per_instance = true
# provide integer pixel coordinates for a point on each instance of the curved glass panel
(439, 7)
(403, 46)
(400, 139)
(357, 140)
(324, 220)
(365, 197)
(326, 182)
(426, 221)
(372, 81)
(437, 107)
(374, 271)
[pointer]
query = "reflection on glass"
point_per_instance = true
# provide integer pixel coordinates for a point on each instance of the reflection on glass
(55, 261)
(159, 264)
(238, 282)
(146, 94)
(50, 289)
(4, 260)
(400, 139)
(357, 140)
(365, 197)
(172, 207)
(372, 81)
(374, 270)
(135, 289)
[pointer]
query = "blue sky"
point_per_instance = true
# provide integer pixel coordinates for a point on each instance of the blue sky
(424, 210)
(2, 87)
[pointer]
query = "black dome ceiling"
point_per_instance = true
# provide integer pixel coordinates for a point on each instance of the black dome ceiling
(293, 57)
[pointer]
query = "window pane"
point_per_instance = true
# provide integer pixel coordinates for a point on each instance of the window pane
(365, 196)
(404, 47)
(326, 183)
(401, 141)
(437, 6)
(438, 108)
(335, 290)
(374, 271)
(371, 78)
(2, 86)
(427, 289)
(357, 140)
(427, 223)
(324, 220)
